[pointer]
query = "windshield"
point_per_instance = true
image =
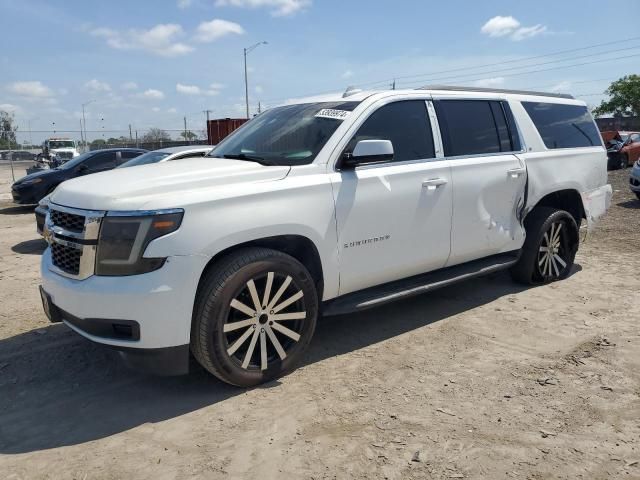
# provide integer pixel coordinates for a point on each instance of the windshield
(76, 161)
(61, 144)
(289, 135)
(145, 159)
(624, 137)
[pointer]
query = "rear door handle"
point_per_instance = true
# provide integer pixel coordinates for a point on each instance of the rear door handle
(515, 172)
(434, 183)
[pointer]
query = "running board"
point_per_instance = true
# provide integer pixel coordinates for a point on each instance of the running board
(426, 282)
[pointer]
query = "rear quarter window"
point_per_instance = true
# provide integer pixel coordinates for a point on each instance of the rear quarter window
(563, 126)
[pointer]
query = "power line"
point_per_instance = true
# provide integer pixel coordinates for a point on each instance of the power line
(505, 62)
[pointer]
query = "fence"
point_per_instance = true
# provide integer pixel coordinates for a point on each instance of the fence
(618, 123)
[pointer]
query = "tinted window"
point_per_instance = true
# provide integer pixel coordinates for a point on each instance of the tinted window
(101, 161)
(406, 124)
(635, 137)
(563, 126)
(469, 127)
(127, 154)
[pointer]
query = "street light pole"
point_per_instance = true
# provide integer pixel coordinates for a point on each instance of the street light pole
(84, 124)
(246, 80)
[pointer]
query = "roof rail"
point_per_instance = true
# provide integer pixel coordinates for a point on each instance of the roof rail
(494, 90)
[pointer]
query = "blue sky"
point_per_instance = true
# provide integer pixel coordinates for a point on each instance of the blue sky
(151, 63)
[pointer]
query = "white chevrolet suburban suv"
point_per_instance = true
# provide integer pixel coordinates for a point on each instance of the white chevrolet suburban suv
(320, 207)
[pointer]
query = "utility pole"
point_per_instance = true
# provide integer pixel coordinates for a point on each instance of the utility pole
(185, 129)
(208, 135)
(82, 142)
(259, 107)
(130, 136)
(393, 84)
(137, 145)
(246, 80)
(84, 122)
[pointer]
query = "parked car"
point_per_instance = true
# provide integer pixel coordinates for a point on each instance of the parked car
(169, 154)
(29, 190)
(332, 206)
(17, 155)
(634, 179)
(623, 149)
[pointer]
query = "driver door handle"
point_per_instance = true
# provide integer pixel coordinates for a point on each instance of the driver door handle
(433, 183)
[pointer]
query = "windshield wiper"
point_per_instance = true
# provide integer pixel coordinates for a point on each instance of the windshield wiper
(250, 158)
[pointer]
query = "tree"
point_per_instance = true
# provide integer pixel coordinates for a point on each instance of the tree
(97, 143)
(7, 130)
(188, 135)
(624, 98)
(156, 135)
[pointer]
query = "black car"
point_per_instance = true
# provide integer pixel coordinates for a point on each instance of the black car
(31, 189)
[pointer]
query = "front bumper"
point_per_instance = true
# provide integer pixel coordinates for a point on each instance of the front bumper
(157, 307)
(25, 196)
(634, 178)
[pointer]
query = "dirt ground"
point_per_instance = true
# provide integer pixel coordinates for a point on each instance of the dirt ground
(485, 379)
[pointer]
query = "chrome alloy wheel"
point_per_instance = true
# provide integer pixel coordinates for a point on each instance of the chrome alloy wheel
(553, 252)
(254, 330)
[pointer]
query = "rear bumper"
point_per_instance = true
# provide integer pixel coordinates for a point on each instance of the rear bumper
(596, 202)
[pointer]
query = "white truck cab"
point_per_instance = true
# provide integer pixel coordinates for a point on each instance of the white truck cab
(324, 206)
(63, 149)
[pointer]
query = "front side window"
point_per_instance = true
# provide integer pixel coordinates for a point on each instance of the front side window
(563, 126)
(288, 135)
(406, 124)
(475, 127)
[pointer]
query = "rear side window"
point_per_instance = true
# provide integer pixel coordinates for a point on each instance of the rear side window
(406, 124)
(476, 127)
(563, 126)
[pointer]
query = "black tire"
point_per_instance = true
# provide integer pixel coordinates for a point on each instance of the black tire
(624, 161)
(228, 280)
(538, 223)
(638, 195)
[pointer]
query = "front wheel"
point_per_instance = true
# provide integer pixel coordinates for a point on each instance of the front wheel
(638, 195)
(254, 316)
(624, 161)
(550, 247)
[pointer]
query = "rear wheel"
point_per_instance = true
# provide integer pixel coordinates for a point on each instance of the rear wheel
(550, 247)
(638, 195)
(255, 315)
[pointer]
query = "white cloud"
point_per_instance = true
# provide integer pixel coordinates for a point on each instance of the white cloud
(187, 89)
(155, 109)
(129, 86)
(11, 108)
(278, 8)
(500, 26)
(215, 29)
(95, 85)
(347, 74)
(182, 4)
(31, 89)
(159, 40)
(563, 86)
(213, 89)
(172, 110)
(489, 82)
(259, 89)
(152, 94)
(528, 32)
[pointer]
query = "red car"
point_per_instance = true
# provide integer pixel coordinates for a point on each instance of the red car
(623, 148)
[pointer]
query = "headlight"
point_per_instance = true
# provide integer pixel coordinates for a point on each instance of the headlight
(123, 240)
(32, 181)
(44, 202)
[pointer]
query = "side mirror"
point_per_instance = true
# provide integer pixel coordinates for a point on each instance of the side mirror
(82, 169)
(367, 152)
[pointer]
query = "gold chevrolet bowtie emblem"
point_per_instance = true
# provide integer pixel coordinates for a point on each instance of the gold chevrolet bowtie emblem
(47, 234)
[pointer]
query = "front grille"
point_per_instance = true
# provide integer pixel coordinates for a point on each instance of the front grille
(64, 155)
(66, 258)
(68, 221)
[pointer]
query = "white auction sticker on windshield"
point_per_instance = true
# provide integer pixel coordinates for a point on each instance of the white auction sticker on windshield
(331, 113)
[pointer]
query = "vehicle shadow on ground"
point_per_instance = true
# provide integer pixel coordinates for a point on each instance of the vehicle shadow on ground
(59, 389)
(17, 210)
(635, 204)
(30, 247)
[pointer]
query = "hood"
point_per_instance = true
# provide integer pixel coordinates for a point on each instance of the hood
(41, 173)
(162, 185)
